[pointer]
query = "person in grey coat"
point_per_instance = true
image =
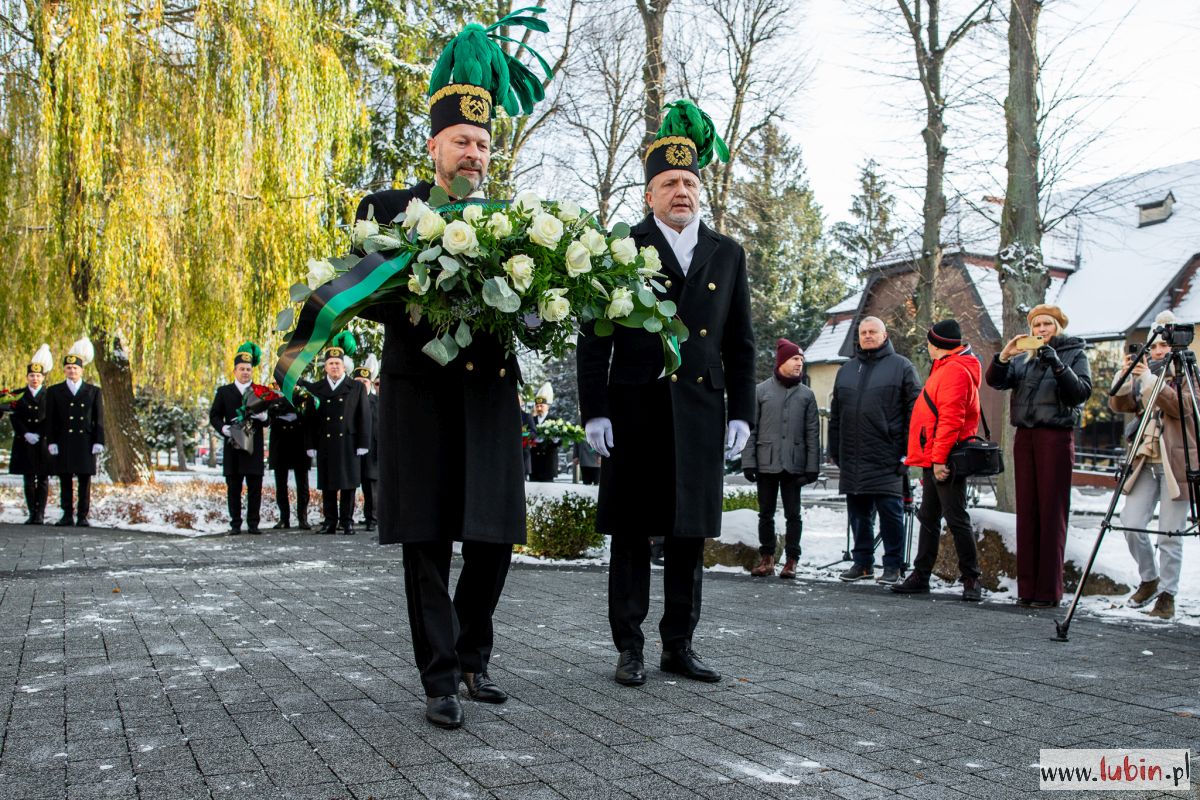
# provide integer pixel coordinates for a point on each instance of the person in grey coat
(782, 454)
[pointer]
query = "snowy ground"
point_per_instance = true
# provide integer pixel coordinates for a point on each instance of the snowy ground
(193, 504)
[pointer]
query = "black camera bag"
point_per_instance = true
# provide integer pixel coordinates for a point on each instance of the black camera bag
(974, 455)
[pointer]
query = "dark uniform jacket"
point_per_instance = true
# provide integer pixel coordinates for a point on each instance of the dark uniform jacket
(1041, 399)
(75, 425)
(786, 436)
(673, 429)
(872, 402)
(340, 426)
(225, 405)
(449, 437)
(370, 462)
(290, 439)
(29, 416)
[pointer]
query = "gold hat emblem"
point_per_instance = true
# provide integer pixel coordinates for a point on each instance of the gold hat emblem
(678, 156)
(474, 109)
(242, 358)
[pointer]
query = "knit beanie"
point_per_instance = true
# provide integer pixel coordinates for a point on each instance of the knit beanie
(945, 334)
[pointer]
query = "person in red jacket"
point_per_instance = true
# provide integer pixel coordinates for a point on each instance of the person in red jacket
(946, 413)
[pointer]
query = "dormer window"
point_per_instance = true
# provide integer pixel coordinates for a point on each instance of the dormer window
(1155, 212)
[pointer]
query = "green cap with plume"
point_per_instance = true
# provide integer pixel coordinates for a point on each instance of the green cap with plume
(687, 139)
(341, 345)
(248, 353)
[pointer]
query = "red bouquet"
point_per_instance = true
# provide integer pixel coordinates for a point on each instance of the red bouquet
(9, 398)
(257, 399)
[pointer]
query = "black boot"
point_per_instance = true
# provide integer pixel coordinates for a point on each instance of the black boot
(445, 712)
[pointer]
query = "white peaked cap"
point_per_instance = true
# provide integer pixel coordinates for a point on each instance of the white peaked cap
(546, 393)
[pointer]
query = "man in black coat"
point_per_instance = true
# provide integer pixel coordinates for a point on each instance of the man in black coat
(289, 453)
(664, 440)
(369, 468)
(30, 458)
(240, 465)
(76, 434)
(873, 396)
(341, 434)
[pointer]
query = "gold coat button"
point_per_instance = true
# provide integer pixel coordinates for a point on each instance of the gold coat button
(700, 379)
(341, 417)
(704, 331)
(667, 283)
(712, 287)
(674, 379)
(470, 366)
(503, 372)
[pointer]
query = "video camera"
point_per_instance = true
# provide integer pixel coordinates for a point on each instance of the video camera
(1178, 335)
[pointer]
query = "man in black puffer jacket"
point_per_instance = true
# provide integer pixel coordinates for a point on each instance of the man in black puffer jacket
(872, 401)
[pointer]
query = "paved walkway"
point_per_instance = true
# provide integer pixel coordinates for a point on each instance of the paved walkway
(142, 666)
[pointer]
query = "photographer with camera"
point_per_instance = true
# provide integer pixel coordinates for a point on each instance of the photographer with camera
(1157, 475)
(1049, 384)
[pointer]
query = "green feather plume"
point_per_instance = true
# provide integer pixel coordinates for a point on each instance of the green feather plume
(345, 340)
(475, 57)
(685, 118)
(254, 350)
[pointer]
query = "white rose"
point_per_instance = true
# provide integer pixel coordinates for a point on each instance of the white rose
(624, 250)
(553, 307)
(416, 286)
(569, 210)
(363, 228)
(594, 241)
(520, 270)
(650, 256)
(528, 203)
(473, 213)
(546, 230)
(414, 213)
(430, 226)
(579, 259)
(459, 237)
(621, 304)
(319, 273)
(500, 225)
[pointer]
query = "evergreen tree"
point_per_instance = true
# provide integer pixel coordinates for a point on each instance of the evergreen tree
(873, 233)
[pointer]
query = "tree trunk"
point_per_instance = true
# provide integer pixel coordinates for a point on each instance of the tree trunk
(180, 446)
(934, 206)
(212, 450)
(125, 448)
(1023, 275)
(654, 71)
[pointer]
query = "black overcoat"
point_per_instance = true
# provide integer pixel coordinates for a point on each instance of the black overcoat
(75, 425)
(340, 427)
(29, 416)
(450, 464)
(234, 461)
(666, 472)
(370, 462)
(290, 439)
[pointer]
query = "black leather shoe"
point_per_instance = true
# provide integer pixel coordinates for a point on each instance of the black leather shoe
(685, 662)
(631, 670)
(254, 532)
(328, 529)
(31, 521)
(348, 530)
(445, 712)
(65, 522)
(915, 583)
(303, 525)
(280, 526)
(370, 526)
(235, 532)
(483, 688)
(82, 523)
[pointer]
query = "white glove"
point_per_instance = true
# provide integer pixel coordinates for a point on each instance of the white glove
(97, 449)
(53, 448)
(599, 434)
(362, 451)
(737, 432)
(260, 416)
(32, 438)
(225, 431)
(311, 453)
(289, 417)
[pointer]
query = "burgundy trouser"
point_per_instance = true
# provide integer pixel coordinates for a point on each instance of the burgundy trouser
(1043, 459)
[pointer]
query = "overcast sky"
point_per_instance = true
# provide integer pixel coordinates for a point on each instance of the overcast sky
(1135, 64)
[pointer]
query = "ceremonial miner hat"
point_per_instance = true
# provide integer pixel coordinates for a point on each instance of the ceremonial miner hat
(248, 353)
(80, 354)
(341, 346)
(474, 74)
(544, 394)
(687, 139)
(41, 361)
(369, 367)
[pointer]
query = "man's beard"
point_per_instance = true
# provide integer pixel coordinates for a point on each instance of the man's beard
(448, 173)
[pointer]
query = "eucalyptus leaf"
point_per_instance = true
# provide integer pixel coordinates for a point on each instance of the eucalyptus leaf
(680, 330)
(658, 287)
(450, 264)
(498, 295)
(604, 327)
(463, 335)
(666, 308)
(460, 186)
(430, 254)
(437, 351)
(447, 281)
(653, 324)
(380, 242)
(447, 341)
(283, 322)
(646, 298)
(421, 272)
(343, 263)
(620, 230)
(438, 197)
(299, 292)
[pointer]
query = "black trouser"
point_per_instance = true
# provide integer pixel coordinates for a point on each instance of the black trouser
(590, 476)
(945, 499)
(338, 509)
(66, 497)
(369, 485)
(629, 590)
(233, 492)
(450, 638)
(281, 494)
(771, 484)
(37, 488)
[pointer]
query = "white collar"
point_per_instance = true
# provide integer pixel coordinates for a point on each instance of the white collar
(332, 384)
(242, 387)
(74, 385)
(33, 392)
(682, 243)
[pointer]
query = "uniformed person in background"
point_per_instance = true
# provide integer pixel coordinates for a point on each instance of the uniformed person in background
(240, 465)
(365, 374)
(543, 459)
(76, 433)
(289, 453)
(30, 458)
(341, 433)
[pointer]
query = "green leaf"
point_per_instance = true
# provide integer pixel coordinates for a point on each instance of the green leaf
(463, 335)
(437, 351)
(666, 308)
(449, 264)
(438, 197)
(604, 327)
(498, 295)
(620, 230)
(429, 255)
(299, 292)
(653, 324)
(283, 322)
(646, 298)
(679, 329)
(447, 341)
(447, 280)
(658, 287)
(421, 272)
(460, 187)
(343, 263)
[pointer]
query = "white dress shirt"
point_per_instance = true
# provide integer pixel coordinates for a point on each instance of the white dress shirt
(682, 243)
(334, 384)
(74, 385)
(241, 387)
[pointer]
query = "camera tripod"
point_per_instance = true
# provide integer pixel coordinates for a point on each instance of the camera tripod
(910, 512)
(1180, 363)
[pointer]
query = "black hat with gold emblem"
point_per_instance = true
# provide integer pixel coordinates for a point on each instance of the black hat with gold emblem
(368, 369)
(41, 362)
(687, 139)
(474, 74)
(341, 346)
(80, 354)
(248, 353)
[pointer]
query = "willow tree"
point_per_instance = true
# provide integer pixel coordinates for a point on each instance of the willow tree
(168, 166)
